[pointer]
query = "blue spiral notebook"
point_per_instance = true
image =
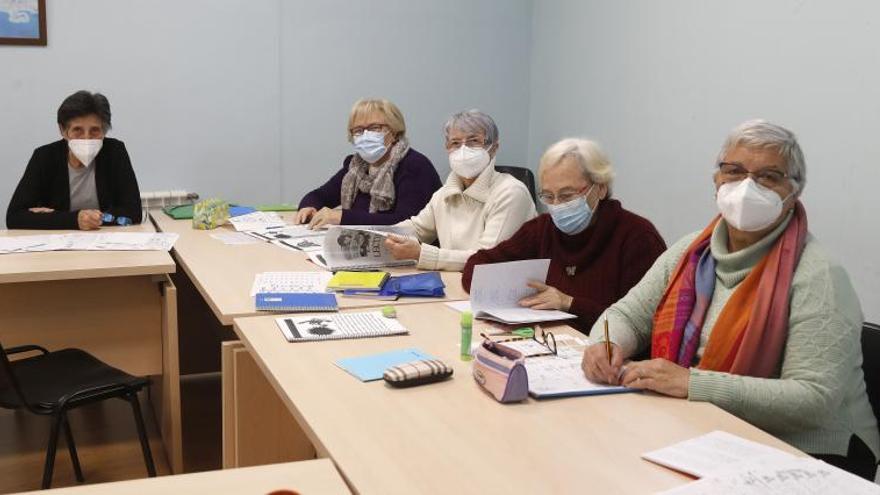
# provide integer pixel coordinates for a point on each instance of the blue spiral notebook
(296, 302)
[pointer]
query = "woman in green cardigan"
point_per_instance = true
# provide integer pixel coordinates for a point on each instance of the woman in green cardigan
(751, 314)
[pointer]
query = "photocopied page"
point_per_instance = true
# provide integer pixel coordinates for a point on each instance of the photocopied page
(111, 241)
(562, 376)
(339, 326)
(354, 247)
(709, 453)
(779, 476)
(257, 220)
(497, 288)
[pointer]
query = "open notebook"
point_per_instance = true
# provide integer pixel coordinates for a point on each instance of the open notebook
(497, 288)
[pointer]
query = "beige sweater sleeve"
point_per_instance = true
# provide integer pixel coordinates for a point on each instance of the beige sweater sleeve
(506, 211)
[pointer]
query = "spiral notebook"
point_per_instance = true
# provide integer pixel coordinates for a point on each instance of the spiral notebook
(339, 326)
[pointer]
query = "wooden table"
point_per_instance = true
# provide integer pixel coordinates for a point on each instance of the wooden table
(224, 274)
(120, 306)
(448, 437)
(307, 477)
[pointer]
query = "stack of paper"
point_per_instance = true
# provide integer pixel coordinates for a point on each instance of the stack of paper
(497, 288)
(735, 466)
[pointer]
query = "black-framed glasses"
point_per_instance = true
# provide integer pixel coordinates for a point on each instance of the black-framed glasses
(767, 177)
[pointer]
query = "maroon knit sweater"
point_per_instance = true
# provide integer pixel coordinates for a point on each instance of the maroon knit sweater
(596, 267)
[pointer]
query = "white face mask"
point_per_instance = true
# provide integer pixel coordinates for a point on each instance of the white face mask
(748, 206)
(467, 163)
(85, 150)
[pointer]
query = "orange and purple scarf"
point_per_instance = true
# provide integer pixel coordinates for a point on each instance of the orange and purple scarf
(750, 333)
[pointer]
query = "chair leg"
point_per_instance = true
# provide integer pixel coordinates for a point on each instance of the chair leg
(71, 447)
(142, 434)
(50, 450)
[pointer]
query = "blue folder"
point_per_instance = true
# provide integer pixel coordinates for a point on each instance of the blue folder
(373, 366)
(427, 284)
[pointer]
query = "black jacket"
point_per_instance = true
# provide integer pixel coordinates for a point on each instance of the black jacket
(46, 183)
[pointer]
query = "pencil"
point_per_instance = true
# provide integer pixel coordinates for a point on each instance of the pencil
(607, 340)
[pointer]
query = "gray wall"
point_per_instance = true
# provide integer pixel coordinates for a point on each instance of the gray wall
(194, 96)
(249, 99)
(659, 84)
(431, 58)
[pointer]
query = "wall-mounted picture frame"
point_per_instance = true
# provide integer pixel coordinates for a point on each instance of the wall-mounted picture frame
(23, 22)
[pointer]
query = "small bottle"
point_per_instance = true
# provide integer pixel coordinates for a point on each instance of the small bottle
(124, 221)
(467, 320)
(107, 218)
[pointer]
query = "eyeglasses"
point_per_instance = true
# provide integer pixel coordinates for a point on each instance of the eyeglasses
(768, 177)
(357, 131)
(544, 338)
(563, 196)
(470, 142)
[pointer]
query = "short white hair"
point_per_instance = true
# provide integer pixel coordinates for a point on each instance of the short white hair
(758, 133)
(474, 122)
(587, 154)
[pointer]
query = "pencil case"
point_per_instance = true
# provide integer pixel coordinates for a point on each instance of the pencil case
(501, 372)
(417, 373)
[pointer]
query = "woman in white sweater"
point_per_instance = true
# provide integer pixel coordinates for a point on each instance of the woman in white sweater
(477, 208)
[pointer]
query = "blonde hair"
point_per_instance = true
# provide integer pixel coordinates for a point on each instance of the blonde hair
(367, 106)
(593, 162)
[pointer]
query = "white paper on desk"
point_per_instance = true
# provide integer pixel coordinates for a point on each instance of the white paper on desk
(309, 244)
(709, 453)
(235, 238)
(561, 375)
(460, 306)
(257, 220)
(285, 233)
(777, 475)
(317, 258)
(121, 241)
(30, 243)
(290, 282)
(496, 289)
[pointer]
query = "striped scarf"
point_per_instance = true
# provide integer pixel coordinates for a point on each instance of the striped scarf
(751, 330)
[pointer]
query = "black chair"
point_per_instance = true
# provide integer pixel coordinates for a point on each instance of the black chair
(52, 383)
(523, 174)
(871, 364)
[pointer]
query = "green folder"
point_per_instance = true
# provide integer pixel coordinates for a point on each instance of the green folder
(179, 212)
(276, 207)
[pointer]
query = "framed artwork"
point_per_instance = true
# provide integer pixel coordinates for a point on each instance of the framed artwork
(23, 22)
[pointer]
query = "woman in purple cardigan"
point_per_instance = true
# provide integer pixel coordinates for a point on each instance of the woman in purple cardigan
(383, 182)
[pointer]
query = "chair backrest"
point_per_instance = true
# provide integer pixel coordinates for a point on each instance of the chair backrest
(523, 174)
(8, 380)
(871, 364)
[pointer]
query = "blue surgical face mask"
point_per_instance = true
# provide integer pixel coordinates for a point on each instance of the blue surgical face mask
(370, 146)
(572, 217)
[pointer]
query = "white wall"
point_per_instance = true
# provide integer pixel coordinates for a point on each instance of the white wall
(193, 88)
(249, 99)
(661, 83)
(431, 58)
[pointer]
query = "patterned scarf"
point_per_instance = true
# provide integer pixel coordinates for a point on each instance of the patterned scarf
(750, 333)
(379, 186)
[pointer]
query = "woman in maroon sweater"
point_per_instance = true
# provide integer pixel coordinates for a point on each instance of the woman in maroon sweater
(597, 250)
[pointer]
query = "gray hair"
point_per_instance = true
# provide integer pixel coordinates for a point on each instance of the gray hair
(588, 155)
(759, 133)
(473, 121)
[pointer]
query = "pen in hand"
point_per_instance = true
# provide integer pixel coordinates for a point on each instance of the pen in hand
(607, 339)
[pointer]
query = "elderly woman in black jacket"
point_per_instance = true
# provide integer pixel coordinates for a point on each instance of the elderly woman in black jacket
(81, 181)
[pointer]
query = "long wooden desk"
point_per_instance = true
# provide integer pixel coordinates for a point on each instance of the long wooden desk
(224, 274)
(120, 306)
(448, 437)
(308, 477)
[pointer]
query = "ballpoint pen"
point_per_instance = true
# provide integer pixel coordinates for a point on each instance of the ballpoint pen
(607, 340)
